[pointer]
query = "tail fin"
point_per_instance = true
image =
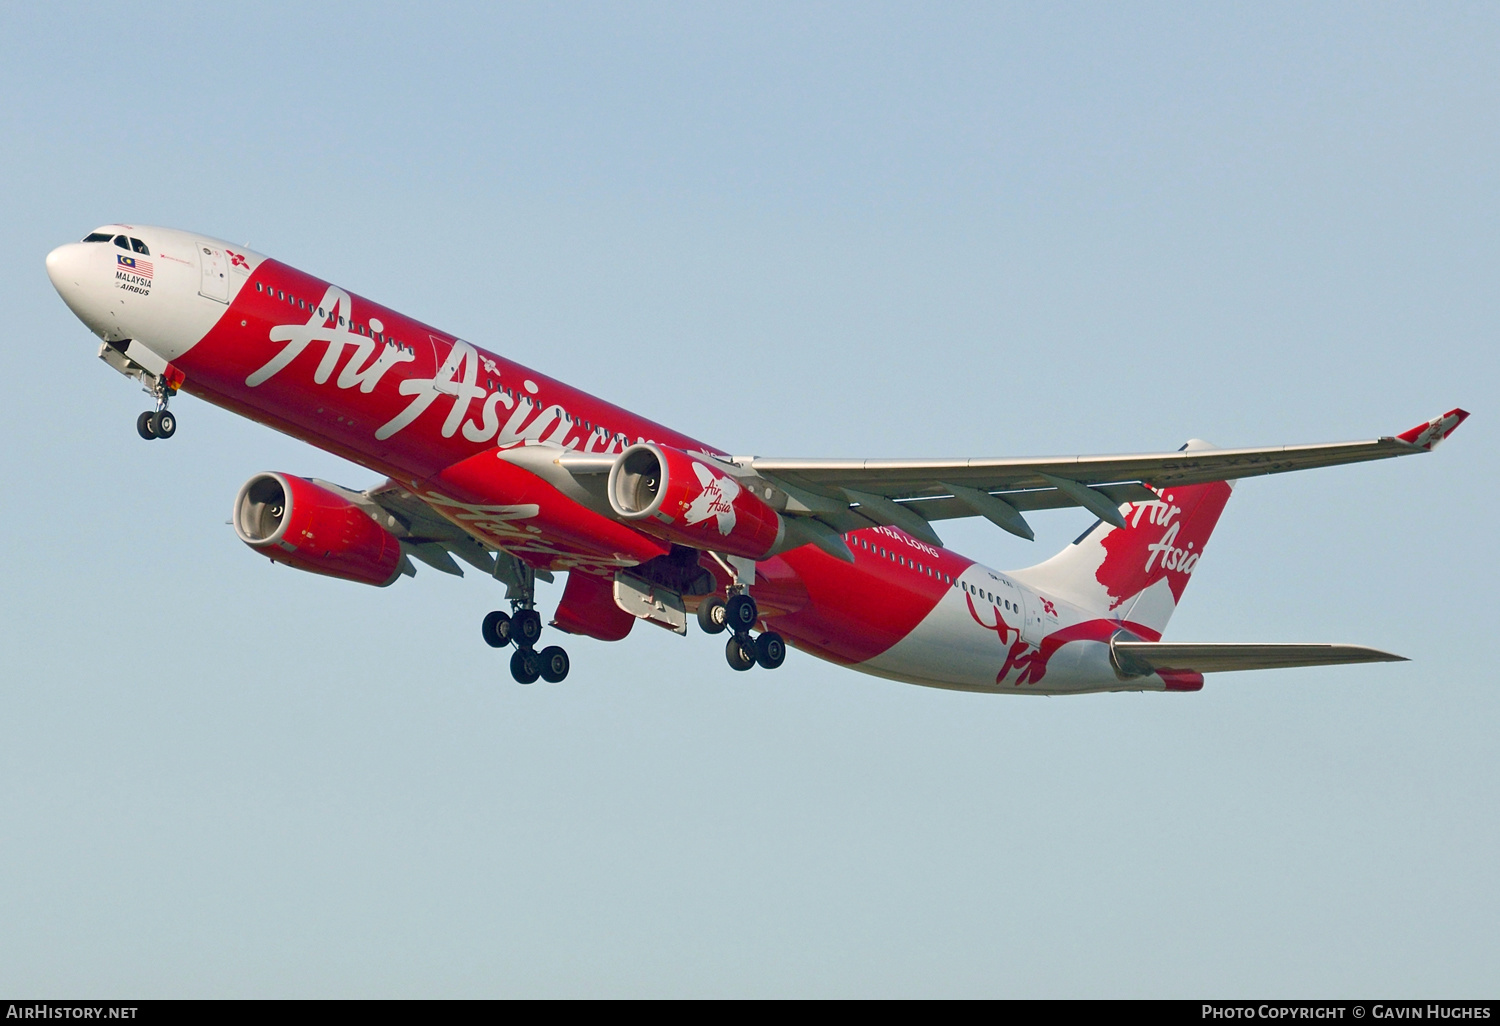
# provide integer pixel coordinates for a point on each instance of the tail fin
(1137, 573)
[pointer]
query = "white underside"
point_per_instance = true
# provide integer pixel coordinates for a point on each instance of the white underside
(948, 649)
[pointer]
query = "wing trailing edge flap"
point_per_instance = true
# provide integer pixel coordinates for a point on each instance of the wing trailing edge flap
(432, 539)
(1140, 658)
(856, 508)
(434, 554)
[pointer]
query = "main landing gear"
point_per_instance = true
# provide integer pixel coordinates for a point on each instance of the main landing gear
(524, 628)
(161, 422)
(739, 614)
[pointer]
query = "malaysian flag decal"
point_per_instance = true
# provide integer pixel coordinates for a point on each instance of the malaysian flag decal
(134, 265)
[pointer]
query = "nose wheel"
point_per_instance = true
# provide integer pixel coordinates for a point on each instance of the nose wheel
(161, 422)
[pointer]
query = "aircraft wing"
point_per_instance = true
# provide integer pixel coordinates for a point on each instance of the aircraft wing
(908, 493)
(427, 536)
(1150, 656)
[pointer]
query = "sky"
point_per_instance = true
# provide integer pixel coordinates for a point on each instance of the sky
(809, 229)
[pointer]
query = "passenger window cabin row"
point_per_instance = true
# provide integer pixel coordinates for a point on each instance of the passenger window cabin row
(922, 568)
(901, 560)
(310, 307)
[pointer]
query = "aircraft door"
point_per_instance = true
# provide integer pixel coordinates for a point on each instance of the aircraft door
(1039, 617)
(214, 283)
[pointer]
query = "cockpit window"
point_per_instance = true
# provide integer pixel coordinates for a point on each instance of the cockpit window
(122, 242)
(98, 237)
(139, 247)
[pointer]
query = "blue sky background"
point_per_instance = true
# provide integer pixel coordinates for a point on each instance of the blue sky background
(805, 229)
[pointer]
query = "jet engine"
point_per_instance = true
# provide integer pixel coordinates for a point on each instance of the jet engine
(692, 501)
(302, 524)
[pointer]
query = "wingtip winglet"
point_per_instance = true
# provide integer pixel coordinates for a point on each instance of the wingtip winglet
(1428, 435)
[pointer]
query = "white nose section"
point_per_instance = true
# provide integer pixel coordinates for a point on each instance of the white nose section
(76, 274)
(74, 270)
(65, 267)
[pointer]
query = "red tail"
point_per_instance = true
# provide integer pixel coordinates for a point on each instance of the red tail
(1161, 541)
(1137, 572)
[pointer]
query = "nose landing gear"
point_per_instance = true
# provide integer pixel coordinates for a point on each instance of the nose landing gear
(160, 423)
(524, 627)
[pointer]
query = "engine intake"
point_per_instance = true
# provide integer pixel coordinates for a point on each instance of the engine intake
(684, 499)
(294, 521)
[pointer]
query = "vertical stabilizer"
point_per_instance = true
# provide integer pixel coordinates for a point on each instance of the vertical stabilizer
(1137, 573)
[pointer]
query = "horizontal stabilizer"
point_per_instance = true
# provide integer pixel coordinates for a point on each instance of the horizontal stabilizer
(1143, 657)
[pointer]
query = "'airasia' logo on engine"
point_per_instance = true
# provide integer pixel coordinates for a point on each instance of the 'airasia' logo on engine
(716, 500)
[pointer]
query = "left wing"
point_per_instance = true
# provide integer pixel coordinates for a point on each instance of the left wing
(430, 538)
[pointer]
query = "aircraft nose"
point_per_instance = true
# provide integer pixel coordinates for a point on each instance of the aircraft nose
(65, 266)
(76, 275)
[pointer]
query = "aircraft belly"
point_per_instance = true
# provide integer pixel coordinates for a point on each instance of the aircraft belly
(969, 647)
(855, 611)
(946, 648)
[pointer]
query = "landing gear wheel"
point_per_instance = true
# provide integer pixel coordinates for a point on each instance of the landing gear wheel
(496, 629)
(144, 427)
(713, 615)
(163, 424)
(554, 664)
(740, 652)
(525, 666)
(770, 650)
(526, 627)
(740, 613)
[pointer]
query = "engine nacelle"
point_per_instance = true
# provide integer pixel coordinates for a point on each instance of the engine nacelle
(301, 524)
(689, 500)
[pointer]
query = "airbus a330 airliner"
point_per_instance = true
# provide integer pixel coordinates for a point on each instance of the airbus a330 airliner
(522, 477)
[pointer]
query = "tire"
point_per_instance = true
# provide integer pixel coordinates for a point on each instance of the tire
(496, 629)
(143, 426)
(526, 627)
(554, 664)
(525, 666)
(770, 650)
(713, 615)
(740, 613)
(164, 424)
(739, 653)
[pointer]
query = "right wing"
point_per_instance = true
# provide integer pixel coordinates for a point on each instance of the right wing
(908, 493)
(824, 499)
